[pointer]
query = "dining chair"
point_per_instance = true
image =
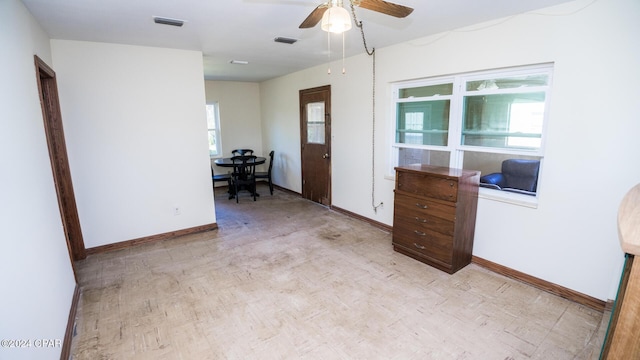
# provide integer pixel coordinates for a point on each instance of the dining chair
(220, 177)
(244, 175)
(267, 174)
(241, 152)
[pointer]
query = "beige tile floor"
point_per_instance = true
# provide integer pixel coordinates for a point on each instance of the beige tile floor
(283, 278)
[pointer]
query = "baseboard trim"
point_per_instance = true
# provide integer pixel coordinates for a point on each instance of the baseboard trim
(609, 305)
(377, 224)
(274, 186)
(68, 334)
(286, 190)
(544, 285)
(148, 239)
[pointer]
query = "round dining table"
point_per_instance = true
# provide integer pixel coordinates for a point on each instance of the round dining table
(227, 162)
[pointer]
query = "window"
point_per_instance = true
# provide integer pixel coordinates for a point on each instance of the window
(213, 125)
(505, 112)
(423, 114)
(315, 123)
(472, 121)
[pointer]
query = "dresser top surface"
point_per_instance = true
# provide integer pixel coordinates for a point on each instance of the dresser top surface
(437, 170)
(629, 222)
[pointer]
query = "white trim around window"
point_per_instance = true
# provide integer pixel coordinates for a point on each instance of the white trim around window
(473, 121)
(213, 129)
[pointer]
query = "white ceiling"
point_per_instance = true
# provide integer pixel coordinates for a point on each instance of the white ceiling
(244, 29)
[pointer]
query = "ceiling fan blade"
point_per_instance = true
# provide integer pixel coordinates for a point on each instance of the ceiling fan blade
(385, 7)
(314, 18)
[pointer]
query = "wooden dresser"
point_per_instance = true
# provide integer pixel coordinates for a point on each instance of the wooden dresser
(435, 214)
(622, 341)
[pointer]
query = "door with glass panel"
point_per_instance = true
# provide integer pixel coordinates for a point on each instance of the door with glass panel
(315, 139)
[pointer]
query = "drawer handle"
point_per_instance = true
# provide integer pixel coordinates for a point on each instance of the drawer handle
(421, 220)
(419, 246)
(451, 184)
(419, 233)
(422, 206)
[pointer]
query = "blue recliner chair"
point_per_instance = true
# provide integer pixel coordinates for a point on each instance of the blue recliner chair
(518, 175)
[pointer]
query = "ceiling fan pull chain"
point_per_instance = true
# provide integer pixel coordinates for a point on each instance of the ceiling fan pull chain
(343, 67)
(328, 53)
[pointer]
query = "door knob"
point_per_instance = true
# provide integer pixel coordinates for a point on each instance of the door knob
(326, 156)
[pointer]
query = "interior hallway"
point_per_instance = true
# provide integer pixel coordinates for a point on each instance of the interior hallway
(284, 278)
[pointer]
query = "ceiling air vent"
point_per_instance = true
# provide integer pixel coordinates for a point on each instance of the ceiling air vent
(168, 21)
(285, 40)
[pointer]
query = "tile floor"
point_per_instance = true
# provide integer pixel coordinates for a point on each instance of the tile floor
(284, 278)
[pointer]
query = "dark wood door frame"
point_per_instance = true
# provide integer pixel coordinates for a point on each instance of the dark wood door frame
(48, 89)
(316, 156)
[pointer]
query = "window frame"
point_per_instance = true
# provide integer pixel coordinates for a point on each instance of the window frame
(455, 146)
(216, 130)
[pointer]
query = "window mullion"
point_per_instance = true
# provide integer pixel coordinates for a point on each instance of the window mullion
(455, 124)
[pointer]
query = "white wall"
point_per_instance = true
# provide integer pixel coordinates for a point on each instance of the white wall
(591, 147)
(136, 135)
(37, 278)
(240, 126)
(281, 124)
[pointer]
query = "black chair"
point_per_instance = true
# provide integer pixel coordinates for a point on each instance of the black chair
(221, 178)
(241, 152)
(518, 175)
(244, 175)
(267, 175)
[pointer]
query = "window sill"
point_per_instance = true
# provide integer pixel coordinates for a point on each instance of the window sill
(499, 195)
(508, 197)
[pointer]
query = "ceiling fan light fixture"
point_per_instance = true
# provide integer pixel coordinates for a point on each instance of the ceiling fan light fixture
(336, 20)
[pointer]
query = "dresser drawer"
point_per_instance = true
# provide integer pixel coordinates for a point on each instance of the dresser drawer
(428, 243)
(425, 224)
(407, 206)
(429, 186)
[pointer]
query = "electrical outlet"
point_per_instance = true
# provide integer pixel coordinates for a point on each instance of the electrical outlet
(176, 211)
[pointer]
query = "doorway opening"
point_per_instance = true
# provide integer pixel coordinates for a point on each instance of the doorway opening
(48, 89)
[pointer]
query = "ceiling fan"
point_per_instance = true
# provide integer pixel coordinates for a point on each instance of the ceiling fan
(380, 6)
